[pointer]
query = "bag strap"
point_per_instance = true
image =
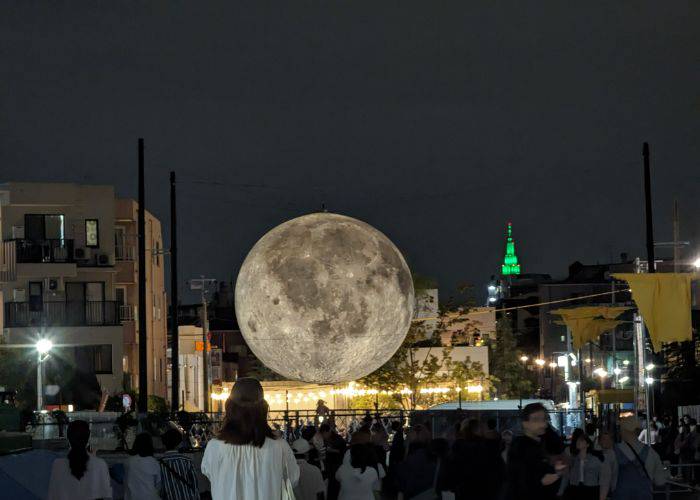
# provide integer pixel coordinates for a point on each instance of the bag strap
(177, 475)
(639, 460)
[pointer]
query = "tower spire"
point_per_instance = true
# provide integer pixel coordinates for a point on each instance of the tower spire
(510, 264)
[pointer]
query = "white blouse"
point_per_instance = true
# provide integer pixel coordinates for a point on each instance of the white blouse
(246, 472)
(95, 483)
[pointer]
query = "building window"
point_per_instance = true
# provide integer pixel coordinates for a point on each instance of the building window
(92, 233)
(94, 358)
(44, 227)
(102, 356)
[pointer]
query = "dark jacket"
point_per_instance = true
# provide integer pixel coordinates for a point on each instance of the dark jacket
(528, 463)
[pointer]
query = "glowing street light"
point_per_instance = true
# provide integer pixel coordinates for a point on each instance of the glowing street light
(649, 380)
(553, 364)
(697, 263)
(624, 379)
(650, 367)
(524, 358)
(626, 362)
(617, 371)
(540, 362)
(43, 346)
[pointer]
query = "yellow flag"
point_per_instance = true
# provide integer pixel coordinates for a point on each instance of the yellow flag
(663, 300)
(589, 322)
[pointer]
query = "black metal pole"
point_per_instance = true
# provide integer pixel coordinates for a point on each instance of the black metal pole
(647, 200)
(175, 344)
(143, 337)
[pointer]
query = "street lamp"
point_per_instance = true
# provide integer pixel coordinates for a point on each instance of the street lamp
(540, 362)
(524, 358)
(553, 364)
(43, 347)
(697, 263)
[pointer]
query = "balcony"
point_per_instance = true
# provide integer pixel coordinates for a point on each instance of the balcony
(127, 312)
(44, 251)
(31, 314)
(124, 252)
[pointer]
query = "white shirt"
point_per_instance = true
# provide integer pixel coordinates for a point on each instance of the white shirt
(95, 483)
(643, 436)
(355, 484)
(310, 482)
(246, 472)
(142, 480)
(380, 467)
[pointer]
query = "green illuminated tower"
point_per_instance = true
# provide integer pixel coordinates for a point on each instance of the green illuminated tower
(510, 261)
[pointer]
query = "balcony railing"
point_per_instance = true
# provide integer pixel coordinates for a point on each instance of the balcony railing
(44, 251)
(125, 252)
(126, 312)
(97, 313)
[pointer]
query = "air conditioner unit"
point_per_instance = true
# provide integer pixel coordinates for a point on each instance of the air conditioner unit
(82, 253)
(17, 232)
(103, 259)
(19, 295)
(54, 284)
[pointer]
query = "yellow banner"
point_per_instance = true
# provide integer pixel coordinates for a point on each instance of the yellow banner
(663, 300)
(587, 323)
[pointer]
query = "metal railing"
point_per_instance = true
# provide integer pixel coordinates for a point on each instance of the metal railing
(126, 312)
(44, 251)
(88, 313)
(125, 252)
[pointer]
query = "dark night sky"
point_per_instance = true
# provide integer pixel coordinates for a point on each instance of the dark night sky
(436, 122)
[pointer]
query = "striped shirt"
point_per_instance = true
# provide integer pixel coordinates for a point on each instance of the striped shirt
(179, 478)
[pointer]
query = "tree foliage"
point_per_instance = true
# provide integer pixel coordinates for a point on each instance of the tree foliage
(511, 378)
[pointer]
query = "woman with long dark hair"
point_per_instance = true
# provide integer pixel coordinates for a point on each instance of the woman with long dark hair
(80, 476)
(245, 461)
(588, 478)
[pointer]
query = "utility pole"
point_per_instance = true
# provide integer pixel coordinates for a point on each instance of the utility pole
(202, 284)
(175, 336)
(676, 236)
(143, 337)
(651, 269)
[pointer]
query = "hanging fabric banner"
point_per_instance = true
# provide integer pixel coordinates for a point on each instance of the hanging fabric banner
(663, 300)
(587, 323)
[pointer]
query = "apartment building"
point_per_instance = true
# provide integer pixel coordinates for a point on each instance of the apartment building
(63, 277)
(127, 294)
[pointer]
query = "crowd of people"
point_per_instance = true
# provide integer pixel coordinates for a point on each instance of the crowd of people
(376, 458)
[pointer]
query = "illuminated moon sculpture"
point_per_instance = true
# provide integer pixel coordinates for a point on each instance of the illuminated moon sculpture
(324, 298)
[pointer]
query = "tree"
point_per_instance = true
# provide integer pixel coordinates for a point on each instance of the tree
(511, 379)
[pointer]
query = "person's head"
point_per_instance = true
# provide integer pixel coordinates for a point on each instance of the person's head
(172, 438)
(590, 429)
(301, 448)
(361, 436)
(308, 433)
(605, 440)
(470, 428)
(320, 403)
(360, 457)
(507, 436)
(534, 419)
(78, 437)
(491, 424)
(245, 421)
(630, 428)
(143, 445)
(377, 428)
(693, 424)
(583, 443)
(325, 430)
(686, 419)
